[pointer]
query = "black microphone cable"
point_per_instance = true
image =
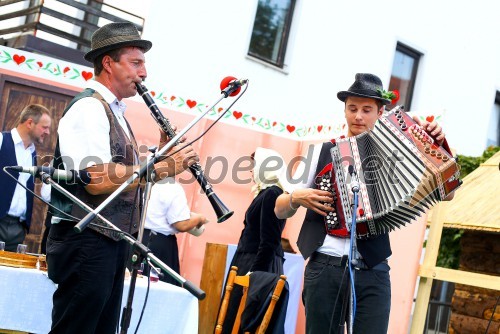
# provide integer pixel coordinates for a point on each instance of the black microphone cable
(343, 312)
(148, 273)
(210, 127)
(68, 216)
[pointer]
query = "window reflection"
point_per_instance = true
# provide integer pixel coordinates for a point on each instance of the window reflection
(404, 72)
(270, 30)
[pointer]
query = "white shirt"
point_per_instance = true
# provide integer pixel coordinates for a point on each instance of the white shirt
(304, 177)
(23, 156)
(167, 205)
(84, 130)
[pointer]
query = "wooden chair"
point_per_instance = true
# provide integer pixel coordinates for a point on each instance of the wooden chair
(244, 281)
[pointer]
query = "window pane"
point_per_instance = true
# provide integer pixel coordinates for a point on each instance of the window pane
(270, 30)
(404, 71)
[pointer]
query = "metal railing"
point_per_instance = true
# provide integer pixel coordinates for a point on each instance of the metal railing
(438, 317)
(28, 16)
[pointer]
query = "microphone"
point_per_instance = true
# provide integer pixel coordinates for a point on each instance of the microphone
(354, 181)
(69, 176)
(232, 83)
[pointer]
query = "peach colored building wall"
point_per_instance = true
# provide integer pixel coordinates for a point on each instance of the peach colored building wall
(232, 142)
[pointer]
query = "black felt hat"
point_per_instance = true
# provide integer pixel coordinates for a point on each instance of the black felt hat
(113, 36)
(365, 85)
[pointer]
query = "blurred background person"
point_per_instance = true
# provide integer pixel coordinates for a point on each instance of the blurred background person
(17, 148)
(259, 247)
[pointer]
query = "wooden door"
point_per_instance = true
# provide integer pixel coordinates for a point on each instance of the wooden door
(17, 93)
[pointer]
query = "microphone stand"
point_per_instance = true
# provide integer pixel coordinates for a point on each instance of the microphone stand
(352, 252)
(140, 252)
(137, 257)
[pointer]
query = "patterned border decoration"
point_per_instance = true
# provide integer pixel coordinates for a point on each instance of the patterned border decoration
(76, 75)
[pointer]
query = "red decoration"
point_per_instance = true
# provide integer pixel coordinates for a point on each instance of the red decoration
(153, 93)
(290, 128)
(172, 98)
(66, 69)
(429, 118)
(19, 59)
(39, 63)
(191, 103)
(220, 109)
(254, 119)
(320, 127)
(87, 75)
(396, 99)
(274, 124)
(237, 114)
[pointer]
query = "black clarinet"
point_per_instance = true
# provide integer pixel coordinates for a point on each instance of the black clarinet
(220, 209)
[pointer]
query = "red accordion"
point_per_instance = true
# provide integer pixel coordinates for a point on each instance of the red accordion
(401, 173)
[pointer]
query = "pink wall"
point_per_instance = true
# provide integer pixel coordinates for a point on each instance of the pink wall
(232, 142)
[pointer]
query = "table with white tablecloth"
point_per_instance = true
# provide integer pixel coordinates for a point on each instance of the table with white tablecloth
(26, 304)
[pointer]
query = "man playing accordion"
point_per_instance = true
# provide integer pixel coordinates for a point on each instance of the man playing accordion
(326, 279)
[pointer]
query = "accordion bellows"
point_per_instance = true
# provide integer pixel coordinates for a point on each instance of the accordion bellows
(400, 170)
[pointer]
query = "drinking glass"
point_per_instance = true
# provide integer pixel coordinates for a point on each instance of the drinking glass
(21, 249)
(2, 246)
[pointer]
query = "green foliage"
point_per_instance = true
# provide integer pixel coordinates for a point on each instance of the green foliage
(388, 95)
(468, 164)
(449, 249)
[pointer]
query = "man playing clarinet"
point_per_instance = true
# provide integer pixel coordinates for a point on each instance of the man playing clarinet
(94, 135)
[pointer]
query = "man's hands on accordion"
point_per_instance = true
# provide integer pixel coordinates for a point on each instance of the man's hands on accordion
(433, 129)
(314, 199)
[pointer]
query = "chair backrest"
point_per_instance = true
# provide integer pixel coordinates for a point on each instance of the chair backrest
(244, 281)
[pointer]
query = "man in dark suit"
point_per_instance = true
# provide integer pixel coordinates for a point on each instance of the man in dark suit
(17, 148)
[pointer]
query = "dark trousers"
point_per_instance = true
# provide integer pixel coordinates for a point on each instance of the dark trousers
(12, 232)
(165, 248)
(45, 235)
(326, 291)
(89, 270)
